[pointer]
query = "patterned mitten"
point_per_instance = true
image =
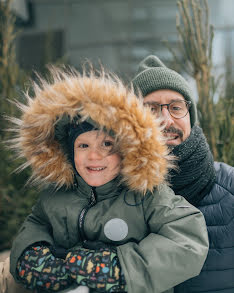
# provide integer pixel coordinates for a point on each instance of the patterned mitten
(97, 269)
(38, 268)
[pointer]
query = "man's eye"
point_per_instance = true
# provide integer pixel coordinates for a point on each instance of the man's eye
(154, 109)
(176, 108)
(82, 146)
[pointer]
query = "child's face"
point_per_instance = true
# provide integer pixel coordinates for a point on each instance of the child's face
(93, 160)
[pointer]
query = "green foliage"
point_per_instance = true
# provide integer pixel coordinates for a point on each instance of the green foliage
(224, 111)
(194, 56)
(15, 201)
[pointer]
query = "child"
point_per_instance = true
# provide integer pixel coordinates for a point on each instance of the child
(112, 224)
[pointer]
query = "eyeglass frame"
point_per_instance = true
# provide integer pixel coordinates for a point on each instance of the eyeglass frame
(188, 105)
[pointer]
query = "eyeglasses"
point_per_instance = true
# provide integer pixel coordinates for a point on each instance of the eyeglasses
(177, 109)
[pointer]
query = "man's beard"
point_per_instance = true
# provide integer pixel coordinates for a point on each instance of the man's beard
(171, 147)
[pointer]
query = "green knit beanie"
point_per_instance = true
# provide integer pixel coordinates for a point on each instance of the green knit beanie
(153, 75)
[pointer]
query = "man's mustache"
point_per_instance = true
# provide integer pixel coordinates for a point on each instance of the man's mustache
(174, 130)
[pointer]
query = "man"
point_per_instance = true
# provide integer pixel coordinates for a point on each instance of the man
(206, 184)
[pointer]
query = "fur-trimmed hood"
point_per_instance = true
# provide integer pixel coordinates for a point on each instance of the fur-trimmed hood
(105, 100)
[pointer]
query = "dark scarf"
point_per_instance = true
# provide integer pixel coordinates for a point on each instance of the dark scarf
(196, 174)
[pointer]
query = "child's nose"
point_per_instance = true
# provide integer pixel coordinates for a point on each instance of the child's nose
(95, 154)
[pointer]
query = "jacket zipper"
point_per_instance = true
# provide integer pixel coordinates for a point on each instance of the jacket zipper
(92, 202)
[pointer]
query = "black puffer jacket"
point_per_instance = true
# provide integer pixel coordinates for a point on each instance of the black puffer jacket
(218, 208)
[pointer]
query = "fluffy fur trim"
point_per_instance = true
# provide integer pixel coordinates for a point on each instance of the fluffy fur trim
(103, 98)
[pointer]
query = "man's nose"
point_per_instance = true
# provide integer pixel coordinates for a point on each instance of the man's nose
(166, 116)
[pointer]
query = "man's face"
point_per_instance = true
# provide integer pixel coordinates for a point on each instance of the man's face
(176, 129)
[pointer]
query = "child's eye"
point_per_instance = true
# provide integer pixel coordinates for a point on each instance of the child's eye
(107, 143)
(82, 145)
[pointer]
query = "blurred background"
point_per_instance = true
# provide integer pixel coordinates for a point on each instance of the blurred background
(119, 33)
(195, 37)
